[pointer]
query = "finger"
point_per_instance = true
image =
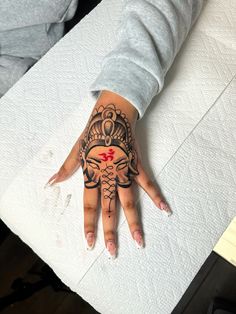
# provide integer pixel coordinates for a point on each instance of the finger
(150, 188)
(109, 213)
(70, 165)
(127, 200)
(90, 215)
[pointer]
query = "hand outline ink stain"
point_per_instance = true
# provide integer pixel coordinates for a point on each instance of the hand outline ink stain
(52, 196)
(46, 156)
(67, 200)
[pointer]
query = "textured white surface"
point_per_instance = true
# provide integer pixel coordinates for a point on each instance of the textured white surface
(200, 183)
(188, 139)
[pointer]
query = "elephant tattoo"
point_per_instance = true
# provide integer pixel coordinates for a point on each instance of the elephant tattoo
(107, 151)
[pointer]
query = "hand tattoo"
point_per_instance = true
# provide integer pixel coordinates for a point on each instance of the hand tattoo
(107, 151)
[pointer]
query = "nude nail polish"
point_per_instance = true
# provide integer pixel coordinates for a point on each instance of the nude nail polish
(90, 240)
(165, 209)
(138, 239)
(46, 185)
(111, 249)
(49, 184)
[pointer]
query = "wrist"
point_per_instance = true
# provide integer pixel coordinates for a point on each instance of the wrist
(107, 97)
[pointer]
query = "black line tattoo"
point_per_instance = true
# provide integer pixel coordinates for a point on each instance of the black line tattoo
(108, 137)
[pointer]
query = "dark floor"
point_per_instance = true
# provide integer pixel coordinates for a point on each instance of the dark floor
(84, 7)
(213, 284)
(41, 292)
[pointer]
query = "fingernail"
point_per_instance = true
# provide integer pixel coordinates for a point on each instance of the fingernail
(46, 185)
(90, 240)
(111, 249)
(165, 209)
(138, 239)
(49, 183)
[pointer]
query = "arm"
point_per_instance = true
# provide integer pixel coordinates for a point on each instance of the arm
(150, 35)
(22, 13)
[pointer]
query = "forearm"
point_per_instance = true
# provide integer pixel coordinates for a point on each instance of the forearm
(150, 35)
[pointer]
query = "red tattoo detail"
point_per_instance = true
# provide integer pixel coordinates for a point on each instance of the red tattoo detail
(106, 156)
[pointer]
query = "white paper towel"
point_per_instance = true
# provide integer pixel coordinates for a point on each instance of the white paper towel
(44, 113)
(200, 182)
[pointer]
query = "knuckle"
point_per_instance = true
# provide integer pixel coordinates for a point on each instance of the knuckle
(156, 197)
(129, 204)
(107, 211)
(149, 184)
(135, 226)
(63, 171)
(109, 234)
(89, 208)
(63, 167)
(88, 228)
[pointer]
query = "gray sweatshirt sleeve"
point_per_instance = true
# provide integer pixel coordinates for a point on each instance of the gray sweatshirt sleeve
(150, 35)
(23, 13)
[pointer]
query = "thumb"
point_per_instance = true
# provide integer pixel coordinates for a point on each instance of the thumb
(69, 166)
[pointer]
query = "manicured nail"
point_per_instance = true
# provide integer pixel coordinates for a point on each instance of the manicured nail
(49, 183)
(90, 240)
(111, 249)
(138, 239)
(165, 209)
(46, 185)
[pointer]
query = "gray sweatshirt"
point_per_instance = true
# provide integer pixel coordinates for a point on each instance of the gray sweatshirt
(150, 35)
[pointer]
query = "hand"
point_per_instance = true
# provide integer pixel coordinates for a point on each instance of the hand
(110, 160)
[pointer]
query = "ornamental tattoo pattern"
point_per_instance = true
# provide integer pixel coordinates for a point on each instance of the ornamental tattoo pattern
(107, 151)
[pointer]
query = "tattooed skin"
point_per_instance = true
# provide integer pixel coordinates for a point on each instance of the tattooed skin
(107, 153)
